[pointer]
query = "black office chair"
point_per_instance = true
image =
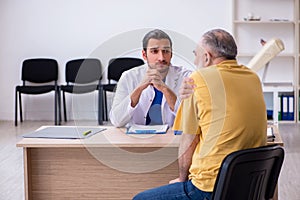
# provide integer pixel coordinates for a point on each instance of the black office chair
(249, 174)
(83, 76)
(116, 67)
(41, 72)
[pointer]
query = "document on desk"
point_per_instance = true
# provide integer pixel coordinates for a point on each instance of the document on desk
(59, 132)
(147, 129)
(270, 134)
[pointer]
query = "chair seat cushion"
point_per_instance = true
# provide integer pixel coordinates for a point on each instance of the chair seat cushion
(35, 89)
(78, 89)
(109, 87)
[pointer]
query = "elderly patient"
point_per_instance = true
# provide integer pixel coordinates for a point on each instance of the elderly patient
(225, 112)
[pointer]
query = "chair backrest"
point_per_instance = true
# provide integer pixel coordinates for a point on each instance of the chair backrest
(249, 174)
(83, 71)
(117, 66)
(39, 70)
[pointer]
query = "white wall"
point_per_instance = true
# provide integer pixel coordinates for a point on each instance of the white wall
(67, 29)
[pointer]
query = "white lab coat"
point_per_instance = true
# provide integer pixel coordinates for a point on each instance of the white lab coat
(122, 113)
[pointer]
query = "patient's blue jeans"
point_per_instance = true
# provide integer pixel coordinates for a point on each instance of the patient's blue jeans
(180, 190)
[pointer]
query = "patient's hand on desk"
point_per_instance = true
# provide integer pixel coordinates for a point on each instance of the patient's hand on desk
(174, 181)
(186, 88)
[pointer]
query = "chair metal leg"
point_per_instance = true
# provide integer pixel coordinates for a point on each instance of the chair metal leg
(100, 105)
(16, 108)
(105, 106)
(64, 105)
(20, 105)
(59, 106)
(55, 107)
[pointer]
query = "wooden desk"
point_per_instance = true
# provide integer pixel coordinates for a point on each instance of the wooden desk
(277, 140)
(108, 165)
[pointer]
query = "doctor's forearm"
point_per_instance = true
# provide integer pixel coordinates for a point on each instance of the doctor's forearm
(135, 96)
(118, 116)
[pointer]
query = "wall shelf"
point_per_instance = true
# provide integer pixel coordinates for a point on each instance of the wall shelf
(278, 19)
(264, 22)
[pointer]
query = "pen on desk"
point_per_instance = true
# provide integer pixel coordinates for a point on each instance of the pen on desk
(85, 133)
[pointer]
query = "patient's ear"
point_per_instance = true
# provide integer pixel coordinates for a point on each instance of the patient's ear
(208, 59)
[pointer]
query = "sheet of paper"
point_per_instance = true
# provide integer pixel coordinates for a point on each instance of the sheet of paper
(59, 132)
(270, 133)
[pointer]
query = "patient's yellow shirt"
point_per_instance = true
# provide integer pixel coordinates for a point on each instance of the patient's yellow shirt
(227, 111)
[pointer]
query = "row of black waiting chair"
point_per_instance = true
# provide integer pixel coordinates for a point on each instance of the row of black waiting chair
(81, 75)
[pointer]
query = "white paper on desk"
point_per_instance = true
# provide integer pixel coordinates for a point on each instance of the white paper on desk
(270, 133)
(59, 132)
(147, 129)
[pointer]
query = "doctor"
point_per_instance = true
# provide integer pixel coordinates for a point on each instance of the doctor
(148, 94)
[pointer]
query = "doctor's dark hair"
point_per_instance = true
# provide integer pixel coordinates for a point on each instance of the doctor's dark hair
(221, 43)
(155, 34)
